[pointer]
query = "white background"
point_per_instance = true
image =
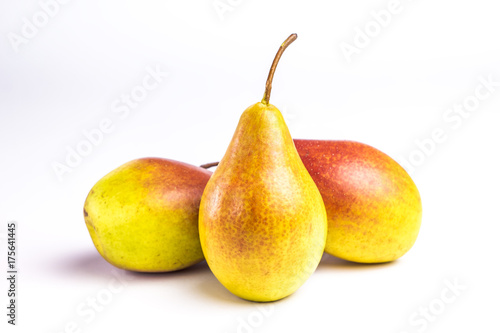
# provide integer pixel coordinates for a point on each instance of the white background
(395, 91)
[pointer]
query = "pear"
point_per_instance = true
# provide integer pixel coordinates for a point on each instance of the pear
(373, 206)
(262, 220)
(143, 216)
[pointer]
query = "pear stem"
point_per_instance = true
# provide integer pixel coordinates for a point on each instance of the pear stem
(269, 82)
(209, 165)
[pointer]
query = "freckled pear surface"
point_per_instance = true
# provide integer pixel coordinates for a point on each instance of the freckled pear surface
(262, 220)
(143, 216)
(374, 208)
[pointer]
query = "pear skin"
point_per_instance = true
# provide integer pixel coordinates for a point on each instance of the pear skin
(373, 206)
(143, 216)
(262, 221)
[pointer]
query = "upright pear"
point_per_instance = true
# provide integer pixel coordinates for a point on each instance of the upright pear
(262, 221)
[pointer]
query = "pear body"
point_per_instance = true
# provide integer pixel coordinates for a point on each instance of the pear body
(143, 216)
(373, 206)
(262, 220)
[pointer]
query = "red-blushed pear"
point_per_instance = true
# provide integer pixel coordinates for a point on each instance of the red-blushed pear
(143, 216)
(373, 206)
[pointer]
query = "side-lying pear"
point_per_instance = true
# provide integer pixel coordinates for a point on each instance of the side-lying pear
(373, 206)
(143, 216)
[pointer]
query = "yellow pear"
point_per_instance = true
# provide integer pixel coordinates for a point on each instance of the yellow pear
(262, 221)
(373, 206)
(143, 216)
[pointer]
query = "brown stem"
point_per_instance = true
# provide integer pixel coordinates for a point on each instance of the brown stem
(267, 92)
(209, 165)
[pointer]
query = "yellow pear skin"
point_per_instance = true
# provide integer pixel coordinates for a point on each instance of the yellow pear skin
(143, 216)
(373, 206)
(262, 221)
